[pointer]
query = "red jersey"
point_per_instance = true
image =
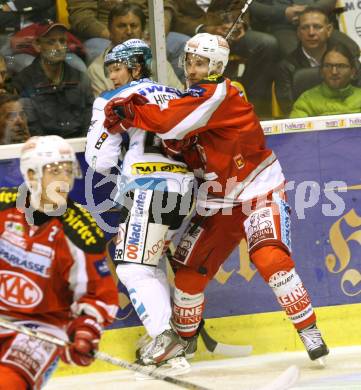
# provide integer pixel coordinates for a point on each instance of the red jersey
(55, 270)
(230, 147)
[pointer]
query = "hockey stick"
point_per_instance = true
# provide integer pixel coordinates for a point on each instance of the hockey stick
(239, 19)
(216, 347)
(210, 343)
(103, 357)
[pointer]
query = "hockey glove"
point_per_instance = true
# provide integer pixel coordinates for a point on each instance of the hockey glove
(84, 334)
(174, 148)
(119, 112)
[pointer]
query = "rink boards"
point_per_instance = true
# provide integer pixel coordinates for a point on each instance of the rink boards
(324, 173)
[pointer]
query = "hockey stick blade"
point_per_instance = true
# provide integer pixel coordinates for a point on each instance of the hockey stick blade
(102, 356)
(285, 380)
(214, 346)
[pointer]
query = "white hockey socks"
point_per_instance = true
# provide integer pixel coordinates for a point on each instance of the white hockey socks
(149, 293)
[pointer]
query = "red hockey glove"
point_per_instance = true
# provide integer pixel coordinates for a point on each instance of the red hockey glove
(84, 334)
(119, 112)
(174, 148)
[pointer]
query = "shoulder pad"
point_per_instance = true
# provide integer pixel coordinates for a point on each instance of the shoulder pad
(8, 197)
(81, 228)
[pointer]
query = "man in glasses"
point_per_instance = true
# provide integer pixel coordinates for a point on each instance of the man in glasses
(336, 94)
(53, 272)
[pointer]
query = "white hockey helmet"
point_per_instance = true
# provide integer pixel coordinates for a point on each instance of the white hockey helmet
(213, 47)
(37, 152)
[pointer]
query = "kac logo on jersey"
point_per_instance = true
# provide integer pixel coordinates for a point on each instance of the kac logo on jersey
(18, 290)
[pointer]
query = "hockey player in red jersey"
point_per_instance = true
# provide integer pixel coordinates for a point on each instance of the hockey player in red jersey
(53, 273)
(241, 192)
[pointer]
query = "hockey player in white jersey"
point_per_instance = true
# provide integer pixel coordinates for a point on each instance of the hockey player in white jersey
(154, 193)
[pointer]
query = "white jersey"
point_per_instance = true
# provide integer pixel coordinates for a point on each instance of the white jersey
(143, 159)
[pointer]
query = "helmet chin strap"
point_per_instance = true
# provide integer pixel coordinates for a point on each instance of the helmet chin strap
(35, 188)
(35, 199)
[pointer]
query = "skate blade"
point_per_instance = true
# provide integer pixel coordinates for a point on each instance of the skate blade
(320, 362)
(190, 356)
(172, 367)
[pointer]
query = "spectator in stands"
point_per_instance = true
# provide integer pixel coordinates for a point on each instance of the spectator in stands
(281, 17)
(336, 94)
(3, 75)
(57, 98)
(89, 21)
(126, 21)
(4, 85)
(15, 15)
(13, 130)
(258, 50)
(13, 124)
(314, 32)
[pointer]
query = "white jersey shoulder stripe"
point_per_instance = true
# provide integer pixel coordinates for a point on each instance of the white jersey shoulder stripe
(78, 276)
(200, 116)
